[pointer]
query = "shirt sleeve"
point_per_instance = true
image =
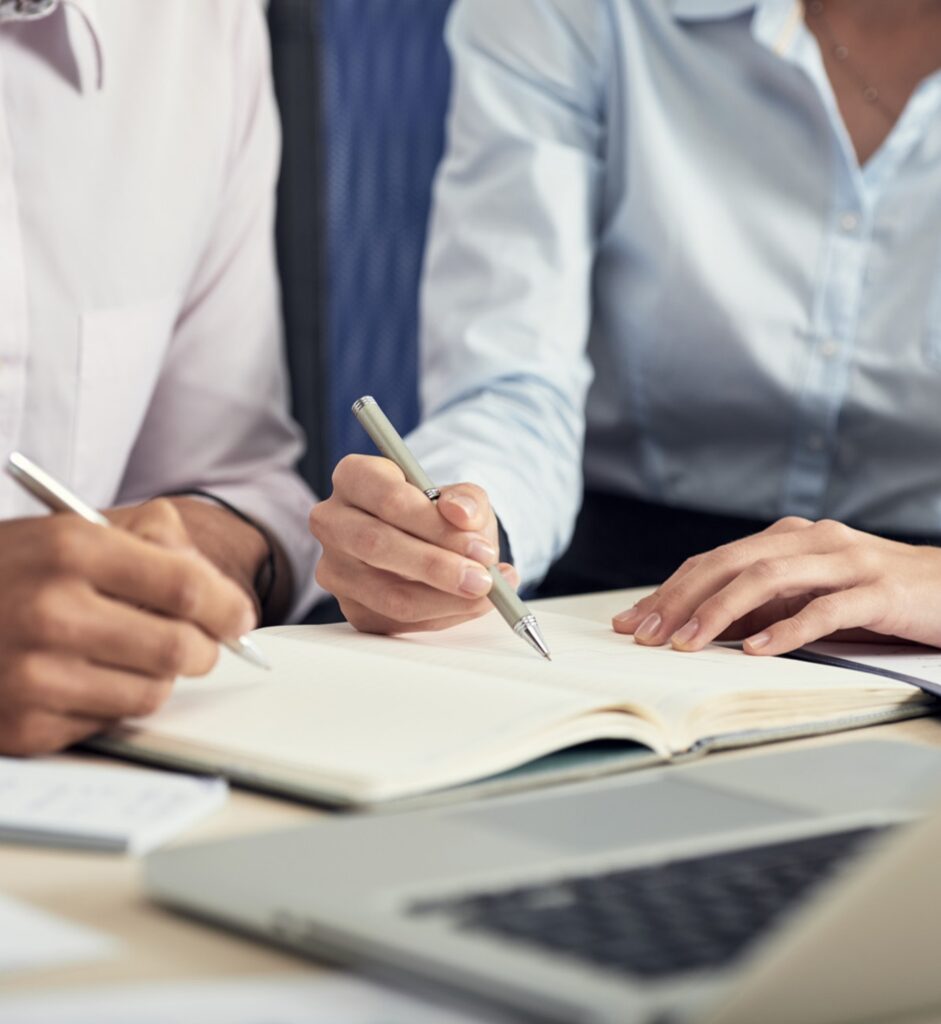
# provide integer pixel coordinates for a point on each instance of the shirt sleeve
(506, 303)
(219, 420)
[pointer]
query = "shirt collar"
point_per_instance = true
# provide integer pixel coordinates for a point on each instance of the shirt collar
(709, 10)
(774, 22)
(80, 57)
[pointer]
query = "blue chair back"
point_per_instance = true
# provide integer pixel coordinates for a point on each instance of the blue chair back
(363, 87)
(387, 80)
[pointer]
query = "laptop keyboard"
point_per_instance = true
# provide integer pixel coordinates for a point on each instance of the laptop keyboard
(685, 915)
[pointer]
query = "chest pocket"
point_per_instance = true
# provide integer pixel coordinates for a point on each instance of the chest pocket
(121, 352)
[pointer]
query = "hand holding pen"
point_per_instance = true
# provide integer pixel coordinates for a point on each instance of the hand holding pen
(399, 562)
(96, 623)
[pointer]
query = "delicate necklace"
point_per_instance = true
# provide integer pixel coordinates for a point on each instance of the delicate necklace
(841, 54)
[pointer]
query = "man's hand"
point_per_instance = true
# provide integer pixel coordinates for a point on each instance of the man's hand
(398, 562)
(792, 584)
(96, 623)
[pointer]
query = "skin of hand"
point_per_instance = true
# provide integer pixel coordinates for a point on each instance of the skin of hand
(96, 623)
(239, 550)
(397, 562)
(796, 582)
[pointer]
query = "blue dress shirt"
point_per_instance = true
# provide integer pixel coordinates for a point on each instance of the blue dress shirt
(652, 210)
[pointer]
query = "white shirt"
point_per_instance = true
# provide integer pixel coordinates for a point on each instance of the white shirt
(140, 347)
(659, 199)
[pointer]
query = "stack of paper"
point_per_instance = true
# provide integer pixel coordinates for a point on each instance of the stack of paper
(31, 938)
(100, 807)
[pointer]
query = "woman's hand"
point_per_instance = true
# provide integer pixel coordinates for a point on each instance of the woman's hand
(397, 562)
(792, 584)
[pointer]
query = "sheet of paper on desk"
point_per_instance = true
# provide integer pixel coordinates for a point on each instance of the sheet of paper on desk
(31, 938)
(99, 806)
(909, 663)
(319, 999)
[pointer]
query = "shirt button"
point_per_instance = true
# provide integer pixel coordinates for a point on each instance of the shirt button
(26, 10)
(829, 348)
(849, 221)
(815, 442)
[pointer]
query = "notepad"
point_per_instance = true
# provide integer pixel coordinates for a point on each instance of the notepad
(348, 718)
(100, 807)
(32, 939)
(908, 663)
(286, 999)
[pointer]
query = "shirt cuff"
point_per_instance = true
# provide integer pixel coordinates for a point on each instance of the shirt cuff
(506, 552)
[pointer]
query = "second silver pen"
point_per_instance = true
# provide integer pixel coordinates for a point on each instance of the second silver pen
(503, 597)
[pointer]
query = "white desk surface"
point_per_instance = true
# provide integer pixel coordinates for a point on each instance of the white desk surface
(104, 890)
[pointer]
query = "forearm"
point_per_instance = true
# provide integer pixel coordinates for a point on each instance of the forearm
(506, 298)
(241, 551)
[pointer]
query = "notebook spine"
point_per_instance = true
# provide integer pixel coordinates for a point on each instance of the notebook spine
(802, 730)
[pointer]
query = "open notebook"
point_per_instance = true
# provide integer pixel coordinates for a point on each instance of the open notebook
(346, 718)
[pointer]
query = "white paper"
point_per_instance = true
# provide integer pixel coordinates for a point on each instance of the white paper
(923, 663)
(105, 807)
(327, 999)
(31, 938)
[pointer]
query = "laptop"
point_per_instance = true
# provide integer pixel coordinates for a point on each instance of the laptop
(771, 885)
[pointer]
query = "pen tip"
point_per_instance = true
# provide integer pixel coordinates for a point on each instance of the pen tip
(529, 631)
(250, 652)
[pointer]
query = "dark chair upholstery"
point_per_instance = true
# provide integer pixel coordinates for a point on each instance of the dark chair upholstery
(296, 60)
(387, 81)
(363, 88)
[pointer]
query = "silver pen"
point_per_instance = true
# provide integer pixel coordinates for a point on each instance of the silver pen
(58, 498)
(503, 597)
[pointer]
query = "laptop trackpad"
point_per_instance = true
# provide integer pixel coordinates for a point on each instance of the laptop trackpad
(659, 811)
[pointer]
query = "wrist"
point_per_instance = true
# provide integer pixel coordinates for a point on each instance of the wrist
(235, 546)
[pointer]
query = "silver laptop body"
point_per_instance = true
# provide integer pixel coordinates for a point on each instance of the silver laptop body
(390, 892)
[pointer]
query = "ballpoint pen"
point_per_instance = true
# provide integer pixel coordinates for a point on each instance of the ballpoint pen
(58, 498)
(503, 597)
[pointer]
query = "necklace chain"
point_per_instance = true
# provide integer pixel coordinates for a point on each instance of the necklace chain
(841, 54)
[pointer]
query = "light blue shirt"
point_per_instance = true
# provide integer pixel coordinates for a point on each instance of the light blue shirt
(657, 200)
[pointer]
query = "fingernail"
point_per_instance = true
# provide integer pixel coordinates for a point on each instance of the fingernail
(248, 621)
(758, 641)
(482, 552)
(464, 502)
(626, 618)
(647, 630)
(475, 581)
(686, 633)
